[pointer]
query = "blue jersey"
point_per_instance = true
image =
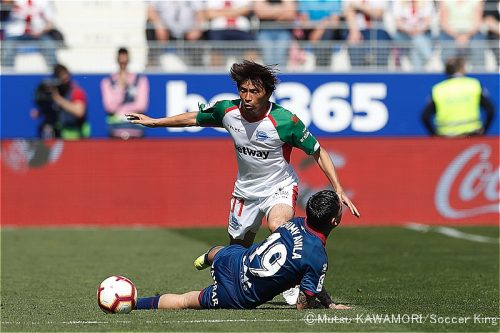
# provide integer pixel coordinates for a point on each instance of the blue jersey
(245, 278)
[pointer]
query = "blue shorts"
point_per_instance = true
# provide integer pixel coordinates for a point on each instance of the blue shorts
(223, 294)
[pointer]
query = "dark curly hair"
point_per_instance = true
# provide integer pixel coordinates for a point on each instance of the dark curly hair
(262, 76)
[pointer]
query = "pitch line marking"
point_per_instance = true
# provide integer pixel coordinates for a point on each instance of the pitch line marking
(453, 233)
(194, 321)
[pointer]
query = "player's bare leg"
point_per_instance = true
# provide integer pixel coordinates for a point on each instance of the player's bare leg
(247, 241)
(183, 301)
(212, 252)
(279, 215)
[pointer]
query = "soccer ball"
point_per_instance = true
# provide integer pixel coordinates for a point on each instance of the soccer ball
(116, 294)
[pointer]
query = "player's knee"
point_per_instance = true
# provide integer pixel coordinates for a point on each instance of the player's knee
(279, 215)
(188, 300)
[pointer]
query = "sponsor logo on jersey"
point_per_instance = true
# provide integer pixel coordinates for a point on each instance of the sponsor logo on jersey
(204, 106)
(306, 134)
(282, 193)
(238, 130)
(250, 152)
(261, 136)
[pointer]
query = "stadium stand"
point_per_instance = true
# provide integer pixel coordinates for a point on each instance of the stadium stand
(93, 30)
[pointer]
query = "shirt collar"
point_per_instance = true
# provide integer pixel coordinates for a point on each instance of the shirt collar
(263, 116)
(314, 232)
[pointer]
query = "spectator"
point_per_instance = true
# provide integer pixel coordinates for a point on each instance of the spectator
(63, 106)
(5, 8)
(413, 29)
(29, 24)
(229, 20)
(365, 32)
(319, 21)
(173, 21)
(274, 36)
(124, 92)
(491, 21)
(455, 104)
(460, 30)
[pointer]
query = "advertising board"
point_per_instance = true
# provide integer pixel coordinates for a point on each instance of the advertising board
(188, 182)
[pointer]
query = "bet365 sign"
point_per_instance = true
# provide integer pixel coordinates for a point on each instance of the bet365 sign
(331, 107)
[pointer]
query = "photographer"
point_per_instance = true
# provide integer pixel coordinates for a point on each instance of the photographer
(63, 106)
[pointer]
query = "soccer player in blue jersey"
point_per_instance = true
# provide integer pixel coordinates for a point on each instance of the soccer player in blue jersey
(264, 134)
(245, 278)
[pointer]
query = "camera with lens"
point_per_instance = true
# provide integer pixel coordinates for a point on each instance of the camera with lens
(43, 93)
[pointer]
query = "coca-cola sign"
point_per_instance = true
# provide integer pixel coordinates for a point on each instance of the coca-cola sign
(469, 186)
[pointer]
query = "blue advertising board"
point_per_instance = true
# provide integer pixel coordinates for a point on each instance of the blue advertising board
(340, 105)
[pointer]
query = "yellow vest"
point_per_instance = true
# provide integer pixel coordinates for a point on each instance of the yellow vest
(457, 106)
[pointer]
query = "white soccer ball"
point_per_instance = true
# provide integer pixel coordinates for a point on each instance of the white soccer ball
(116, 294)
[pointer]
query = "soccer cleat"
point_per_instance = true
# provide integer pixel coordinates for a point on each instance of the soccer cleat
(291, 295)
(201, 262)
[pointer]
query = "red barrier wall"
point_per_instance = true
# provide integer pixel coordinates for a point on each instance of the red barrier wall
(186, 183)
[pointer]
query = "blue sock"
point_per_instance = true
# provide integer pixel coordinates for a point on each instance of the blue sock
(147, 303)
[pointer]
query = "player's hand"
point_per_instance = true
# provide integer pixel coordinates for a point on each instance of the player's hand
(339, 307)
(141, 119)
(345, 199)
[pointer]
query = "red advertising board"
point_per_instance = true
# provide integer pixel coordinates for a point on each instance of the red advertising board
(185, 183)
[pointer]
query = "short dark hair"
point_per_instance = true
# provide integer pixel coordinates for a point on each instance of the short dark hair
(454, 65)
(122, 50)
(58, 69)
(321, 208)
(263, 76)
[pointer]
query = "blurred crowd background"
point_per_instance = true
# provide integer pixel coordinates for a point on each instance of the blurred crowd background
(298, 35)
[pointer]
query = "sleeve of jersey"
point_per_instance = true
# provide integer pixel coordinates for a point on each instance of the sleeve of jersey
(79, 95)
(211, 117)
(312, 281)
(299, 136)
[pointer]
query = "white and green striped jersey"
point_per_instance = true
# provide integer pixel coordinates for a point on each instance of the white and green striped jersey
(262, 147)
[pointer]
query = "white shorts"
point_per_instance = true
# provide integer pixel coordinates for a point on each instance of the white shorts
(246, 215)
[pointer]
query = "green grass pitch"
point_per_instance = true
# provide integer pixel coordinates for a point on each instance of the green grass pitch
(396, 280)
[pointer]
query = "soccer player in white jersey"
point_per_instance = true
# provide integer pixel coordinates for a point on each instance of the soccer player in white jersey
(264, 134)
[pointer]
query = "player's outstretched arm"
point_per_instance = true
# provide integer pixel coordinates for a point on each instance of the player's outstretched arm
(326, 165)
(181, 120)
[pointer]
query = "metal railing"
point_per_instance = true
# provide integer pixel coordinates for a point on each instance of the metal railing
(323, 56)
